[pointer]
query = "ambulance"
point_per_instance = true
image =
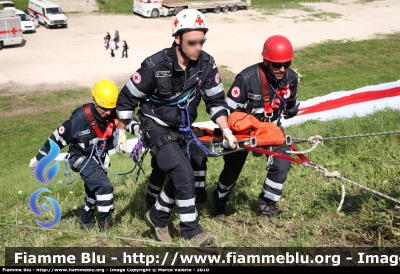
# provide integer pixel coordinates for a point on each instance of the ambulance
(10, 28)
(48, 13)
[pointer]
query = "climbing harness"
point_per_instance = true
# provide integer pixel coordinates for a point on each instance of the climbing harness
(182, 100)
(274, 103)
(98, 148)
(93, 123)
(96, 154)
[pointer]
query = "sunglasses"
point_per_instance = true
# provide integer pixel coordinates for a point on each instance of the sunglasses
(194, 42)
(106, 109)
(279, 65)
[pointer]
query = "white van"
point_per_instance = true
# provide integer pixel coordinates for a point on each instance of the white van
(47, 13)
(10, 28)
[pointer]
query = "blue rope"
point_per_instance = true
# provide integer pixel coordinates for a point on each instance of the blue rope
(187, 128)
(185, 117)
(98, 154)
(159, 100)
(136, 151)
(66, 171)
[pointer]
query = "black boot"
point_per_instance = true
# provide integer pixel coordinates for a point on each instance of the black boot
(105, 225)
(269, 210)
(219, 211)
(86, 226)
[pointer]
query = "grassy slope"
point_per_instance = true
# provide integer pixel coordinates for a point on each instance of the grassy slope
(309, 199)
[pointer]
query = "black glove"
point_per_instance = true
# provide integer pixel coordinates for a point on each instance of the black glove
(290, 113)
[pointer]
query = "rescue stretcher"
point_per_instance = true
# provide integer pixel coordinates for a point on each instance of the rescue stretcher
(245, 142)
(259, 137)
(251, 134)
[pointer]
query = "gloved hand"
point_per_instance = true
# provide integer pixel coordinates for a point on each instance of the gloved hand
(133, 127)
(229, 139)
(33, 163)
(121, 145)
(290, 113)
(136, 130)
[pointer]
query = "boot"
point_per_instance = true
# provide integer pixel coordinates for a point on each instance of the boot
(150, 201)
(269, 211)
(219, 211)
(203, 239)
(201, 196)
(86, 226)
(103, 226)
(162, 233)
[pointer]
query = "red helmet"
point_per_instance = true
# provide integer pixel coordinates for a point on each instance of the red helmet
(277, 48)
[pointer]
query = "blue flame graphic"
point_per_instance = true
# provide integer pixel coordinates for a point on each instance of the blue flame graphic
(45, 161)
(33, 205)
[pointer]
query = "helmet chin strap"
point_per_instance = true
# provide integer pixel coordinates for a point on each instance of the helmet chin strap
(181, 50)
(180, 47)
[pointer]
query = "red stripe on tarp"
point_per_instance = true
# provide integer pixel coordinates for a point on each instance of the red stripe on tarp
(351, 99)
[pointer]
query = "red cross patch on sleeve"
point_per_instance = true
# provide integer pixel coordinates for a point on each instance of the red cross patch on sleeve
(217, 79)
(136, 78)
(61, 129)
(235, 92)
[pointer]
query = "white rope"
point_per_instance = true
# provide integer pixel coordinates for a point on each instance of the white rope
(314, 140)
(81, 233)
(336, 174)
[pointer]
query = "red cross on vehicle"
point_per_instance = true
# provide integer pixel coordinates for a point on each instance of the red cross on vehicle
(199, 20)
(176, 22)
(14, 31)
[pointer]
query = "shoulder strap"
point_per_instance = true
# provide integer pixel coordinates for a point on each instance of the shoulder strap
(93, 123)
(264, 88)
(91, 120)
(176, 79)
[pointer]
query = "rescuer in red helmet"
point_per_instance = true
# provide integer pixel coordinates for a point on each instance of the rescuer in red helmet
(267, 91)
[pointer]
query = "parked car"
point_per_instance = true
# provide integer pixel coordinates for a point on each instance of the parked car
(7, 5)
(26, 22)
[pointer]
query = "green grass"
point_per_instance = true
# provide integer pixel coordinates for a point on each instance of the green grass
(310, 200)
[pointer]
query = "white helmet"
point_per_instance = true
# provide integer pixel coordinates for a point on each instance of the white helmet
(189, 19)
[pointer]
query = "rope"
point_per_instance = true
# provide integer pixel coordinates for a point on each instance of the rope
(188, 129)
(138, 156)
(299, 140)
(336, 174)
(83, 233)
(317, 139)
(135, 154)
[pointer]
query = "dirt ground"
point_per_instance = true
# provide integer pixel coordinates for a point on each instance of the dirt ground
(53, 59)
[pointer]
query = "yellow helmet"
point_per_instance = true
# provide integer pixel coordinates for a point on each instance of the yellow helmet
(105, 93)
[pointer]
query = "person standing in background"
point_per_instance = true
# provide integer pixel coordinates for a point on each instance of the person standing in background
(112, 47)
(125, 49)
(107, 39)
(116, 39)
